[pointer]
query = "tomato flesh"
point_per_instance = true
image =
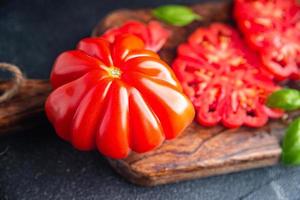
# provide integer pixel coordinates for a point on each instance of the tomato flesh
(223, 78)
(271, 27)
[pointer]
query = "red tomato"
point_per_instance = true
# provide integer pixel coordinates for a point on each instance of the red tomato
(116, 97)
(153, 34)
(221, 77)
(272, 28)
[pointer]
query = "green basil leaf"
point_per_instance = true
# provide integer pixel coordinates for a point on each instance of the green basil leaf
(176, 14)
(291, 144)
(287, 99)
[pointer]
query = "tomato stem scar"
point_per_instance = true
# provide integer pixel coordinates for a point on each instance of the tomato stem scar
(114, 72)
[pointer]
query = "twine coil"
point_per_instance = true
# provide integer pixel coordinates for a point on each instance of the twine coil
(17, 80)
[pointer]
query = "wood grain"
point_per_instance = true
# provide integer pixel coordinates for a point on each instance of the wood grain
(25, 110)
(202, 152)
(199, 152)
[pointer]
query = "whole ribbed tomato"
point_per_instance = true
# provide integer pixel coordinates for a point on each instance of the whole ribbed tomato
(116, 97)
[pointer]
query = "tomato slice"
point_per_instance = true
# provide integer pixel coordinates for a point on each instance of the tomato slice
(272, 28)
(224, 79)
(153, 34)
(262, 15)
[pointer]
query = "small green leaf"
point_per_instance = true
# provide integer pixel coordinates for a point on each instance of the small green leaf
(287, 99)
(291, 144)
(176, 14)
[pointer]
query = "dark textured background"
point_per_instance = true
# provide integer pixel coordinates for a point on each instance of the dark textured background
(37, 165)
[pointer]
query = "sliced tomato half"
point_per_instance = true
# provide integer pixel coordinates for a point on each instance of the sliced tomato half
(224, 79)
(262, 15)
(153, 34)
(272, 28)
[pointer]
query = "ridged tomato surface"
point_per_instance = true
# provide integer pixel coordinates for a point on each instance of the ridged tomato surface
(116, 97)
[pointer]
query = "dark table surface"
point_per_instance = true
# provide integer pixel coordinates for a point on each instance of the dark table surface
(37, 165)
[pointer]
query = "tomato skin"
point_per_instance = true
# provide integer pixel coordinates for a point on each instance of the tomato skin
(153, 34)
(271, 27)
(224, 79)
(86, 110)
(116, 97)
(62, 102)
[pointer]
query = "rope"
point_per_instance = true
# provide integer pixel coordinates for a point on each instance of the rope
(17, 80)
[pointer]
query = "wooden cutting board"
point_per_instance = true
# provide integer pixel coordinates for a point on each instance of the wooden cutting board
(26, 109)
(199, 152)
